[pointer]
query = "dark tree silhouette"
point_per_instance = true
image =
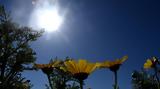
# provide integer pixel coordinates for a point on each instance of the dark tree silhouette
(15, 52)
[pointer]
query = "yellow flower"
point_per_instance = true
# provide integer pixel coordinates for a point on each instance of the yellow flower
(150, 63)
(80, 69)
(48, 68)
(113, 65)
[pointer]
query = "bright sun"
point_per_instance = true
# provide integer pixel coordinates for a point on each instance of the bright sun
(49, 19)
(46, 15)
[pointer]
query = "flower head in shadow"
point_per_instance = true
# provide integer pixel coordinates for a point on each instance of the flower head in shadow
(48, 68)
(113, 65)
(80, 69)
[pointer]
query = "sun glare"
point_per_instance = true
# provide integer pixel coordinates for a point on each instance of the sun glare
(49, 19)
(46, 16)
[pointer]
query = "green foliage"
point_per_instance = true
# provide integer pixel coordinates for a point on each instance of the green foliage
(147, 79)
(15, 51)
(143, 80)
(18, 82)
(60, 78)
(74, 85)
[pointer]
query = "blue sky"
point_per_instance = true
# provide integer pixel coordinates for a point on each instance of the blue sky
(97, 30)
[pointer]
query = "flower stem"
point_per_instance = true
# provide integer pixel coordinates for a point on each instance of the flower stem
(49, 79)
(157, 78)
(115, 80)
(81, 84)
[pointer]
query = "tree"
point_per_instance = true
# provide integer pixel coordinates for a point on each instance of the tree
(15, 51)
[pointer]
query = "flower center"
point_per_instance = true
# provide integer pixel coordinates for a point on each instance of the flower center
(47, 70)
(114, 67)
(81, 76)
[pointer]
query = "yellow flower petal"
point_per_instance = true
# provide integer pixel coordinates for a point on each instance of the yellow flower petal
(90, 68)
(70, 66)
(105, 64)
(98, 65)
(116, 63)
(148, 64)
(124, 59)
(82, 65)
